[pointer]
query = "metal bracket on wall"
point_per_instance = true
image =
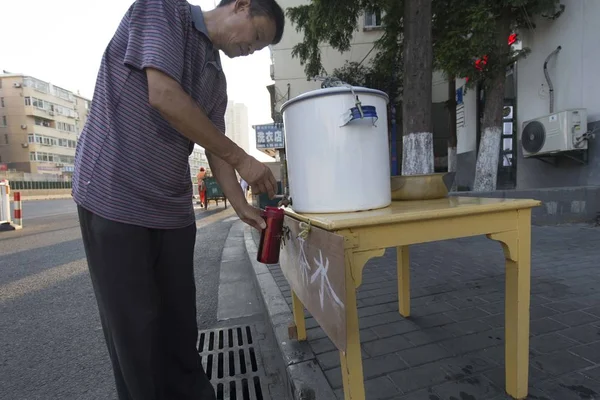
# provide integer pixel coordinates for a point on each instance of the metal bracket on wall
(579, 156)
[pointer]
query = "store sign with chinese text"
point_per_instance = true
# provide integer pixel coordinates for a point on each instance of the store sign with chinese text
(269, 136)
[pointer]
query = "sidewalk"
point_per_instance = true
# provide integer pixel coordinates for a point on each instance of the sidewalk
(452, 347)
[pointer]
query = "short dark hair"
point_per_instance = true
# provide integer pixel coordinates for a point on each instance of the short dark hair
(267, 8)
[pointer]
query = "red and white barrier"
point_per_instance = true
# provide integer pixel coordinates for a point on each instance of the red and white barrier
(17, 210)
(4, 202)
(5, 217)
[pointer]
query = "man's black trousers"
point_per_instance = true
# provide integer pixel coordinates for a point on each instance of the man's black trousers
(144, 284)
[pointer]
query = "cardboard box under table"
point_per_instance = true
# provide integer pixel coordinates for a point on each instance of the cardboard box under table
(323, 257)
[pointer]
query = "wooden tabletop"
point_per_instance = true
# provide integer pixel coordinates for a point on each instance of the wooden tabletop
(404, 211)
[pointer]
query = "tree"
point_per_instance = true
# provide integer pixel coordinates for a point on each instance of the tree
(417, 138)
(479, 48)
(332, 22)
(463, 31)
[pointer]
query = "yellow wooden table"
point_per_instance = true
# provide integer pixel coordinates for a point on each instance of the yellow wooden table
(364, 235)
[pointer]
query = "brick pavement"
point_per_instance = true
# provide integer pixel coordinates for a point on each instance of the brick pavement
(452, 346)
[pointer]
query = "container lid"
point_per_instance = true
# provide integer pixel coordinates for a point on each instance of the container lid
(331, 91)
(271, 211)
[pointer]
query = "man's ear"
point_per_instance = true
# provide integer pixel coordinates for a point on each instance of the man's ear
(242, 5)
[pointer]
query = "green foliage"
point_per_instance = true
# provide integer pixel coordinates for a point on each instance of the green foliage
(463, 31)
(335, 23)
(481, 29)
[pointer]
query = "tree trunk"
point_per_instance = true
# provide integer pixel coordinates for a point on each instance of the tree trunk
(452, 140)
(417, 139)
(486, 168)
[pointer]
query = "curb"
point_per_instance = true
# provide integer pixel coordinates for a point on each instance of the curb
(305, 378)
(48, 197)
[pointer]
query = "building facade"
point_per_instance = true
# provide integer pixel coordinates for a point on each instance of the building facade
(288, 74)
(40, 124)
(237, 127)
(573, 78)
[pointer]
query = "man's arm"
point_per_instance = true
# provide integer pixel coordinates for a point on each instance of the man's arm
(227, 179)
(181, 111)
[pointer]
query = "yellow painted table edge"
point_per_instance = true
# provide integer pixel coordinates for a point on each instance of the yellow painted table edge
(385, 216)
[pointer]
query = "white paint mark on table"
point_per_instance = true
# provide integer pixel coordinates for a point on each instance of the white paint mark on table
(322, 269)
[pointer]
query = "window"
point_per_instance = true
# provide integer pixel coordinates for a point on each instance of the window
(372, 19)
(62, 126)
(31, 138)
(27, 101)
(38, 103)
(38, 85)
(43, 122)
(63, 94)
(4, 122)
(2, 102)
(6, 138)
(49, 157)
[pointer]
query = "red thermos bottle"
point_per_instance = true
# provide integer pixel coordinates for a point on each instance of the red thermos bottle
(270, 238)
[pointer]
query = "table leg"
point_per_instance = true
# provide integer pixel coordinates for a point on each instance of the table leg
(299, 319)
(351, 359)
(517, 251)
(403, 265)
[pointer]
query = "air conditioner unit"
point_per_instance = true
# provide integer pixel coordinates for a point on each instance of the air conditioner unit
(562, 131)
(23, 126)
(51, 112)
(17, 85)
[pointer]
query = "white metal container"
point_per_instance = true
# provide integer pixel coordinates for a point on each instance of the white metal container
(337, 158)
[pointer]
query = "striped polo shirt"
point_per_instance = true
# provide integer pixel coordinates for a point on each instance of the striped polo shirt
(131, 165)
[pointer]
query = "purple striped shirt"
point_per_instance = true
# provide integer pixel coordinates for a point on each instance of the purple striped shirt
(131, 166)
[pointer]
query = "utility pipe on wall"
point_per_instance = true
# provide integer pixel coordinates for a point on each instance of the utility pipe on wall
(550, 86)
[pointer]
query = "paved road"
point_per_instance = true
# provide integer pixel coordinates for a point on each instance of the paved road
(47, 208)
(51, 343)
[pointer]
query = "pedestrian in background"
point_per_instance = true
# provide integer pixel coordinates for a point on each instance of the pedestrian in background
(244, 186)
(201, 186)
(160, 89)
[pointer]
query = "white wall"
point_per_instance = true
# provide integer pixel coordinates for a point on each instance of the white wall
(466, 133)
(575, 76)
(574, 72)
(439, 88)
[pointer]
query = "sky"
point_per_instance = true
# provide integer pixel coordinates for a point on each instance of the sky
(62, 42)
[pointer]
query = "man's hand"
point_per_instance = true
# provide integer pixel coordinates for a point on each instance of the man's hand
(251, 216)
(258, 175)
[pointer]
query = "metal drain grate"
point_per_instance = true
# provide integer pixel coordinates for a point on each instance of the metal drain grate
(232, 363)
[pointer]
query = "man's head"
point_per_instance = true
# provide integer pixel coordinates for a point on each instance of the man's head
(247, 26)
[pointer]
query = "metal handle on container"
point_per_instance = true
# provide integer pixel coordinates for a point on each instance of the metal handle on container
(359, 112)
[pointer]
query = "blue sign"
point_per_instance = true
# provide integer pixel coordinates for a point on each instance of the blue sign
(269, 136)
(459, 96)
